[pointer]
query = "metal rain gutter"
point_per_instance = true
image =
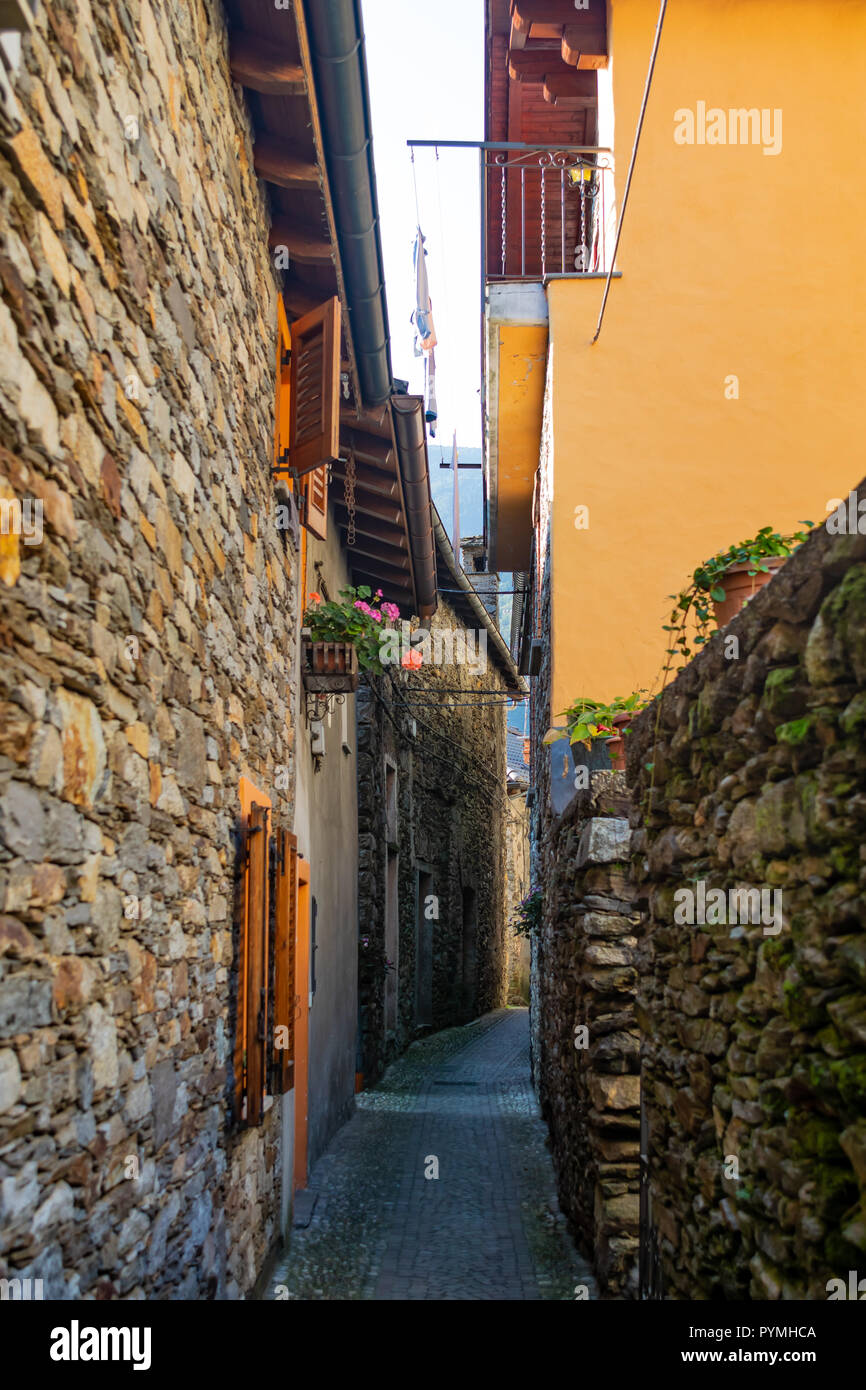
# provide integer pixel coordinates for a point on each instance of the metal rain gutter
(336, 35)
(408, 416)
(514, 684)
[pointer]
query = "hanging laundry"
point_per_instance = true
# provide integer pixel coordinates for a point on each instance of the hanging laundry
(431, 413)
(425, 333)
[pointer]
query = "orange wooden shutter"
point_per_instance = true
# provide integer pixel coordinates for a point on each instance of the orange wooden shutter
(240, 1048)
(284, 959)
(315, 388)
(282, 432)
(256, 992)
(314, 490)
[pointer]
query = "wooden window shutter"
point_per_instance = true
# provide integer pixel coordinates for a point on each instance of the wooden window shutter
(255, 964)
(314, 490)
(282, 432)
(315, 389)
(284, 959)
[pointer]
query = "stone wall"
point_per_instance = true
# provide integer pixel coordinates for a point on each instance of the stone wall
(449, 822)
(588, 1060)
(147, 645)
(754, 1033)
(583, 975)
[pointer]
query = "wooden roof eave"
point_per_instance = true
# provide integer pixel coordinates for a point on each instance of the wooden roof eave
(280, 172)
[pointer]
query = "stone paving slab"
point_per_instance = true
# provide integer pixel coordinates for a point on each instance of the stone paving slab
(489, 1227)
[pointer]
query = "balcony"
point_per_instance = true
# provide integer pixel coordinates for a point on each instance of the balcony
(546, 211)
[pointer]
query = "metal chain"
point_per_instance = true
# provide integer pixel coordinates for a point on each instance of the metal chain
(583, 252)
(503, 217)
(349, 498)
(543, 224)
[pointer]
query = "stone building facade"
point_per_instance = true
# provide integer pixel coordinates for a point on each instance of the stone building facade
(138, 651)
(754, 1026)
(587, 1061)
(432, 834)
(724, 1051)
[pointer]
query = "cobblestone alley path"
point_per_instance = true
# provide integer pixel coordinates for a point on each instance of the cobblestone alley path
(488, 1227)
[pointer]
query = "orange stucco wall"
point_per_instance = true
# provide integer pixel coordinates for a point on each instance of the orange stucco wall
(522, 354)
(733, 262)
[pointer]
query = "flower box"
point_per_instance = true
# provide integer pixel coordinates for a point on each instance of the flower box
(329, 667)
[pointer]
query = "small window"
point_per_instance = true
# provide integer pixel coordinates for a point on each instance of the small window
(285, 937)
(252, 998)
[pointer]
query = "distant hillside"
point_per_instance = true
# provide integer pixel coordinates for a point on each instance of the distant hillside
(442, 486)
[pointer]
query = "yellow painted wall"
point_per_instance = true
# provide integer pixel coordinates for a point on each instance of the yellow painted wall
(522, 357)
(733, 262)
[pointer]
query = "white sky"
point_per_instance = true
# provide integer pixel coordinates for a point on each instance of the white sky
(425, 60)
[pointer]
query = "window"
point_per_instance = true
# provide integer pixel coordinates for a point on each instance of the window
(285, 937)
(307, 433)
(252, 992)
(264, 1049)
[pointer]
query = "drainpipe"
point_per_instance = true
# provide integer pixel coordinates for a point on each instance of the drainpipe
(408, 415)
(515, 686)
(336, 36)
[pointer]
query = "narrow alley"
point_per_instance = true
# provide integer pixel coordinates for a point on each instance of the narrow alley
(488, 1227)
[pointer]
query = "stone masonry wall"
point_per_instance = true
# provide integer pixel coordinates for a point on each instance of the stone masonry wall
(583, 974)
(146, 651)
(589, 1046)
(451, 821)
(754, 1035)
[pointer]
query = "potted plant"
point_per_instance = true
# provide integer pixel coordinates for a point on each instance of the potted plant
(528, 916)
(721, 586)
(587, 720)
(340, 637)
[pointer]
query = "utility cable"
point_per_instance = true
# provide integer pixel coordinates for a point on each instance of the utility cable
(649, 78)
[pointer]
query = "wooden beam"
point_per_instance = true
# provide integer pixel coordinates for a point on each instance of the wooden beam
(519, 33)
(376, 550)
(276, 162)
(301, 296)
(382, 509)
(370, 479)
(376, 421)
(529, 12)
(538, 67)
(304, 246)
(379, 575)
(584, 49)
(560, 87)
(370, 526)
(264, 66)
(370, 448)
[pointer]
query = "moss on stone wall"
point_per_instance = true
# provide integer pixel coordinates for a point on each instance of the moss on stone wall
(771, 796)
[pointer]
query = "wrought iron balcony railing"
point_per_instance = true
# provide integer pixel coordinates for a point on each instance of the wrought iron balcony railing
(548, 210)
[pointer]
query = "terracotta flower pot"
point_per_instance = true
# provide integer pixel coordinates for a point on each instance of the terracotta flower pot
(329, 666)
(740, 586)
(616, 744)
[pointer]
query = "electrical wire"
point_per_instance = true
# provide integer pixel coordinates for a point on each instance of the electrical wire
(649, 78)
